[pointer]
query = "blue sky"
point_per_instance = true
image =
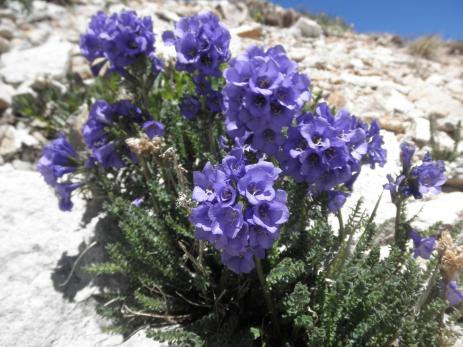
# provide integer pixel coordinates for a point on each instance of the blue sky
(408, 18)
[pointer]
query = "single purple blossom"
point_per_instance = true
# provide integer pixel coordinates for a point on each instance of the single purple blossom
(153, 129)
(190, 107)
(423, 246)
(64, 191)
(451, 292)
(205, 181)
(58, 159)
(137, 202)
(243, 263)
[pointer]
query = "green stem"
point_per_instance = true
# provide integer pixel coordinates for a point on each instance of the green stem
(398, 234)
(147, 175)
(341, 227)
(267, 297)
(424, 296)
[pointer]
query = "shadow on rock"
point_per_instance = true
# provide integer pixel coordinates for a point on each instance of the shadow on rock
(70, 275)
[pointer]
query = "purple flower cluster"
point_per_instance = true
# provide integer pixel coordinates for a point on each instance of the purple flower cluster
(58, 159)
(121, 39)
(418, 180)
(239, 210)
(107, 126)
(263, 102)
(264, 92)
(202, 44)
(327, 151)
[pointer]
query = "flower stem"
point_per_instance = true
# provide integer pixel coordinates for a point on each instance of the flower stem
(425, 294)
(341, 228)
(267, 297)
(399, 238)
(147, 175)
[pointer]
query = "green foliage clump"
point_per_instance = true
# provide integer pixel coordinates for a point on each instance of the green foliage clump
(49, 104)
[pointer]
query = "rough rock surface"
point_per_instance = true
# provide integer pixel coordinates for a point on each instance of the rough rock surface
(50, 59)
(34, 236)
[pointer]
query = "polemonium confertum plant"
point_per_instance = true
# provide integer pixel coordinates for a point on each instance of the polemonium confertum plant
(218, 175)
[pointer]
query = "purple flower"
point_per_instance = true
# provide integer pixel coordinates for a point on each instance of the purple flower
(257, 184)
(64, 191)
(239, 211)
(205, 182)
(416, 181)
(104, 121)
(153, 129)
(406, 154)
(201, 220)
(226, 220)
(263, 94)
(202, 44)
(261, 238)
(225, 193)
(121, 39)
(108, 156)
(271, 214)
(336, 200)
(394, 186)
(243, 263)
(451, 292)
(423, 247)
(234, 164)
(137, 202)
(327, 151)
(58, 158)
(190, 107)
(375, 152)
(268, 140)
(427, 178)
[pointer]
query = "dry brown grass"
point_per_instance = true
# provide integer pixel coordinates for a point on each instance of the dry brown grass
(426, 47)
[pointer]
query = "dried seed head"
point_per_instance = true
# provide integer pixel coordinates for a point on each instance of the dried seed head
(140, 146)
(184, 201)
(452, 257)
(444, 242)
(170, 154)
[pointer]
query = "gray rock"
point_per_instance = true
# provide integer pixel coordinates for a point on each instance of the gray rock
(232, 13)
(444, 207)
(34, 236)
(421, 130)
(22, 165)
(6, 94)
(168, 16)
(250, 31)
(7, 28)
(444, 141)
(6, 32)
(12, 139)
(39, 34)
(4, 45)
(305, 27)
(51, 59)
(433, 99)
(395, 101)
(43, 10)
